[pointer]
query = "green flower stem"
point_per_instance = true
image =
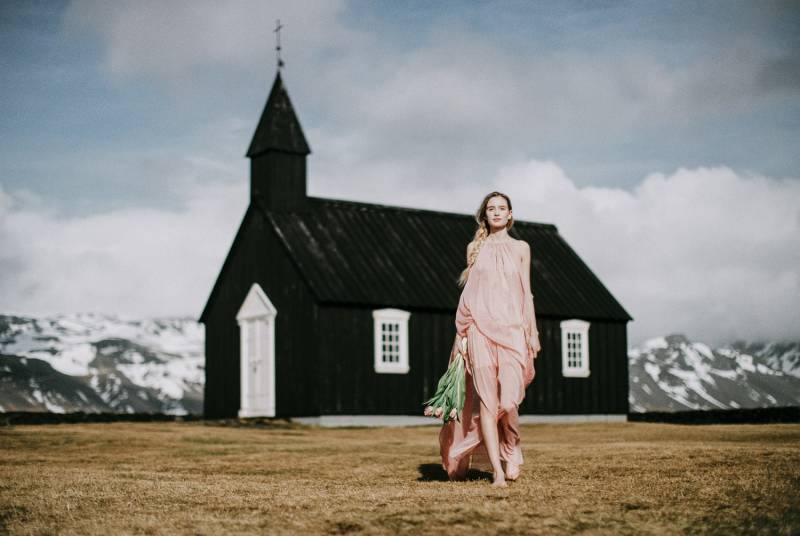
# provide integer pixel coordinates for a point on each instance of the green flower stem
(451, 390)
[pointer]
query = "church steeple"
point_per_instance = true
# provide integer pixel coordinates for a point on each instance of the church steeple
(277, 154)
(278, 129)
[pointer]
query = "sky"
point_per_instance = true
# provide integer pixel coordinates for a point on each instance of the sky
(661, 138)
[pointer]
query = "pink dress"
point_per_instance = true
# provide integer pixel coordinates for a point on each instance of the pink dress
(496, 315)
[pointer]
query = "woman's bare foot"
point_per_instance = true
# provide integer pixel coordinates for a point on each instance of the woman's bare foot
(499, 480)
(512, 471)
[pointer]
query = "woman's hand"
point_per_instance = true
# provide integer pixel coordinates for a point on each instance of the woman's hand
(534, 347)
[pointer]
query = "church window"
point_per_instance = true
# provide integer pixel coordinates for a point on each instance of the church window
(575, 348)
(391, 340)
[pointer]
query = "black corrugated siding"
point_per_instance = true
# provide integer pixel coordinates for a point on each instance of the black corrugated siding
(362, 257)
(349, 384)
(259, 257)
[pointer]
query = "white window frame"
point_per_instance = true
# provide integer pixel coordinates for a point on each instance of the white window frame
(256, 319)
(399, 319)
(575, 332)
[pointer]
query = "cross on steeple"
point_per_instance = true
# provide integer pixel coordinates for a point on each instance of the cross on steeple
(277, 31)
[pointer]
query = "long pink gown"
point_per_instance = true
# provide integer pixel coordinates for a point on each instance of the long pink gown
(496, 314)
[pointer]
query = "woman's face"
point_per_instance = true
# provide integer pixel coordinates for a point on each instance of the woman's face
(497, 212)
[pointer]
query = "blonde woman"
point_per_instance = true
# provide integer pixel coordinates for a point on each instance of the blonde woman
(497, 317)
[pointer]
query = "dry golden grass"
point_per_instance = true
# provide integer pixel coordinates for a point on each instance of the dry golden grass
(203, 478)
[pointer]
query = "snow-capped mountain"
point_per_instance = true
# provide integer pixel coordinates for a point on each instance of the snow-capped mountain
(104, 363)
(101, 363)
(674, 374)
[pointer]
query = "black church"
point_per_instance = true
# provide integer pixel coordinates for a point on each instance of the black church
(343, 312)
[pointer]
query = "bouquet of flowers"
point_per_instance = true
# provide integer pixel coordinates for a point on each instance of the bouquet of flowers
(451, 390)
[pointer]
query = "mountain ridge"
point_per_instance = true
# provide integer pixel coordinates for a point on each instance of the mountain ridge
(108, 363)
(672, 373)
(130, 365)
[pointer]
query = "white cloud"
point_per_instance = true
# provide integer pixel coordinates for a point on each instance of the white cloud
(459, 107)
(456, 88)
(452, 107)
(709, 252)
(169, 39)
(136, 261)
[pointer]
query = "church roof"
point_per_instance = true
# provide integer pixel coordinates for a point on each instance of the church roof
(278, 129)
(374, 255)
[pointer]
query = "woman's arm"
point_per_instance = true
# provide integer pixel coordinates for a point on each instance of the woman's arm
(529, 311)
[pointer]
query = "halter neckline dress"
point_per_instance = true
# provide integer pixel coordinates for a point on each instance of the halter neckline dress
(496, 315)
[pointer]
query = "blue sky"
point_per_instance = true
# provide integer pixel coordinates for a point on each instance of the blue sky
(125, 121)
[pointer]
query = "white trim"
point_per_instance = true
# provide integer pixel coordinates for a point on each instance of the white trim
(575, 334)
(256, 319)
(336, 421)
(608, 417)
(396, 322)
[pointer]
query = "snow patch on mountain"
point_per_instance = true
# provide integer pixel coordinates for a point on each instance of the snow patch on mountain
(672, 373)
(92, 362)
(132, 365)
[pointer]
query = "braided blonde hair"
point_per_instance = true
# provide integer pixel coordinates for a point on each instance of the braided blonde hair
(482, 233)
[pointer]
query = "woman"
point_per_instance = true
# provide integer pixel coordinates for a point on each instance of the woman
(497, 317)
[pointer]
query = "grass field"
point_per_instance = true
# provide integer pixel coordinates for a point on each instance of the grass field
(205, 478)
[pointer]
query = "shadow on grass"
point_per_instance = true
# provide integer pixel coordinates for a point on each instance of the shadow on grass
(433, 472)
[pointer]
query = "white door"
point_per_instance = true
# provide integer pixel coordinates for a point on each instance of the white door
(256, 320)
(256, 388)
